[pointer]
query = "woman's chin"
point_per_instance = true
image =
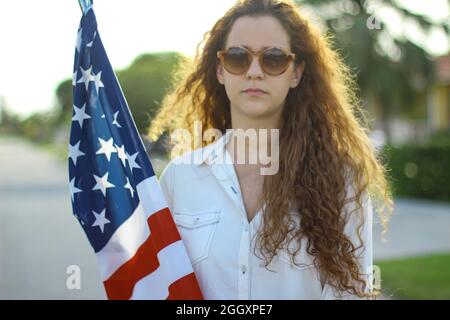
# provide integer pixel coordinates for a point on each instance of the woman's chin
(255, 112)
(254, 108)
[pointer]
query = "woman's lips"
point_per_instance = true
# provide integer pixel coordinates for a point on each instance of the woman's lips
(254, 93)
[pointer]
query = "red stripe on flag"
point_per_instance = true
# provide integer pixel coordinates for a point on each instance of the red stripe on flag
(163, 233)
(185, 288)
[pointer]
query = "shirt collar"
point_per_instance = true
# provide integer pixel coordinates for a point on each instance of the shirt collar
(215, 152)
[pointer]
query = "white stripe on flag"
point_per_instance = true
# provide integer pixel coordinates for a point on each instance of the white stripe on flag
(174, 264)
(127, 239)
(151, 196)
(124, 243)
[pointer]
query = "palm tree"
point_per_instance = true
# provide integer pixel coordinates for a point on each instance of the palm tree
(389, 64)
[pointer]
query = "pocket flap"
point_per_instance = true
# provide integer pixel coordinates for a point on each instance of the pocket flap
(196, 220)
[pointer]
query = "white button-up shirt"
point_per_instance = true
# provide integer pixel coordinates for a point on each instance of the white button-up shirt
(204, 196)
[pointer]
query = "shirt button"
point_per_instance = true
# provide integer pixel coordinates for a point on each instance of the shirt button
(244, 269)
(246, 228)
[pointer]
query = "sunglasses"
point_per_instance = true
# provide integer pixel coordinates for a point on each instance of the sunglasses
(273, 61)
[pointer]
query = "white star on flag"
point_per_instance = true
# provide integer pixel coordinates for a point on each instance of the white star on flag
(90, 43)
(78, 45)
(86, 77)
(115, 120)
(98, 83)
(107, 148)
(74, 78)
(121, 154)
(73, 189)
(102, 183)
(128, 186)
(74, 152)
(100, 220)
(80, 115)
(132, 161)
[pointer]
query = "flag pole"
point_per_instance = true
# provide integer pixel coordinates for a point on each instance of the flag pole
(84, 4)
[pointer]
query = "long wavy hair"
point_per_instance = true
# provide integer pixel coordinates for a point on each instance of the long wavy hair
(324, 143)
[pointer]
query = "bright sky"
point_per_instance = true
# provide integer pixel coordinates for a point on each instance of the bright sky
(38, 38)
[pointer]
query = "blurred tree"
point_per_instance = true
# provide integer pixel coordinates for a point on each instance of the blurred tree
(390, 66)
(38, 127)
(9, 121)
(144, 84)
(2, 108)
(64, 101)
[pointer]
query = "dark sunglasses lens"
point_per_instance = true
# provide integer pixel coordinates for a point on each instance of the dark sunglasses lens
(236, 60)
(274, 61)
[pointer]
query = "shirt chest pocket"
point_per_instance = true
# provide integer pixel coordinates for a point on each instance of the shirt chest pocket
(197, 230)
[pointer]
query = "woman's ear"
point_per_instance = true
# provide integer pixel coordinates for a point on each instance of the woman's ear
(298, 73)
(219, 73)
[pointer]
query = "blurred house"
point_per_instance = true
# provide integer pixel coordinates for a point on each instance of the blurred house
(428, 114)
(438, 97)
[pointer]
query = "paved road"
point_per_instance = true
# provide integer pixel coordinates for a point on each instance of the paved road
(40, 239)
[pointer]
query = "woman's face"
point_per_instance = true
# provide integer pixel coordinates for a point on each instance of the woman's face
(256, 33)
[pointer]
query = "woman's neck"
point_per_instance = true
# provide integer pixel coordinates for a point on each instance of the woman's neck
(251, 148)
(254, 143)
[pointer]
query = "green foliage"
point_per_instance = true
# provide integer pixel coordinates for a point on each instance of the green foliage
(144, 84)
(64, 99)
(441, 139)
(38, 127)
(421, 171)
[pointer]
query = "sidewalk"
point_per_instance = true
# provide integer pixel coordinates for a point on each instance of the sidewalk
(417, 227)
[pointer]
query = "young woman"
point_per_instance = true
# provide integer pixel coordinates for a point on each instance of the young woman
(305, 231)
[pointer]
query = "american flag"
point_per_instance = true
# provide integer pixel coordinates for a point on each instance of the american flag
(115, 194)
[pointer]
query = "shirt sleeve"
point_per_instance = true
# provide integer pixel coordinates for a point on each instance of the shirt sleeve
(364, 254)
(166, 183)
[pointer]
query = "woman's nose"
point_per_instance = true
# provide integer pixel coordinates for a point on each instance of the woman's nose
(255, 69)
